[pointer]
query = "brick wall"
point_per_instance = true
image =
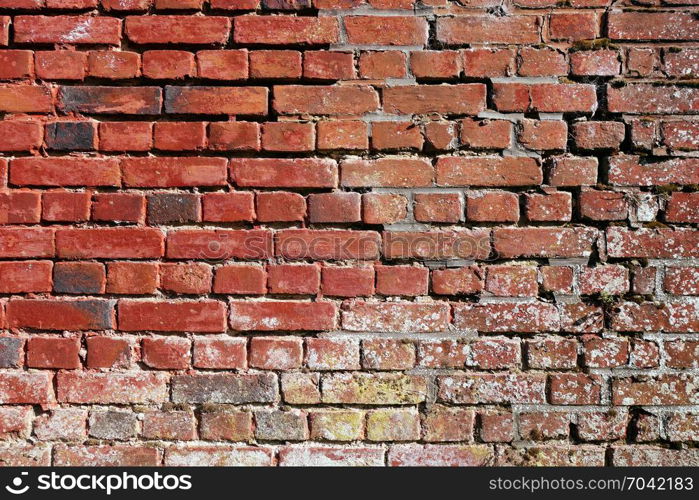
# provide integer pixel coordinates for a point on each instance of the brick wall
(346, 231)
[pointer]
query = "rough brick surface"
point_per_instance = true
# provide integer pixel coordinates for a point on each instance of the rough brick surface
(348, 232)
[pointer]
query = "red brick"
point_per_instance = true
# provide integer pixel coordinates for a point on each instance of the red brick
(557, 279)
(65, 171)
(574, 389)
(111, 387)
(16, 64)
(275, 64)
(61, 206)
(186, 277)
(216, 100)
(683, 207)
(543, 134)
(280, 207)
(360, 316)
(61, 314)
(388, 30)
(170, 425)
(163, 316)
(486, 62)
(22, 242)
(284, 172)
(573, 26)
(23, 276)
(488, 171)
(26, 388)
(324, 100)
(401, 280)
(486, 134)
(47, 352)
(20, 206)
(544, 97)
(226, 426)
(67, 29)
(465, 280)
(647, 317)
(652, 243)
(119, 207)
(168, 64)
(334, 207)
(553, 206)
(169, 172)
(328, 65)
(112, 455)
(680, 135)
(595, 63)
(132, 278)
(387, 172)
(180, 136)
(240, 279)
(114, 65)
(652, 99)
(332, 354)
(488, 29)
(177, 29)
(342, 134)
(599, 135)
(437, 245)
(125, 136)
(347, 281)
(16, 135)
(544, 242)
(166, 353)
(386, 136)
(60, 65)
(682, 280)
(288, 136)
(25, 99)
(285, 30)
(468, 98)
(634, 25)
(492, 206)
(108, 352)
(512, 281)
(506, 317)
(542, 62)
(496, 428)
(328, 244)
(282, 315)
(234, 136)
(384, 64)
(435, 64)
(79, 277)
(665, 390)
(222, 64)
(380, 208)
(295, 279)
(220, 353)
(552, 353)
(572, 171)
(682, 63)
(110, 100)
(605, 352)
(90, 243)
(274, 353)
(492, 388)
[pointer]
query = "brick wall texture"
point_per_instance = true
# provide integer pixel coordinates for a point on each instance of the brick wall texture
(355, 232)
